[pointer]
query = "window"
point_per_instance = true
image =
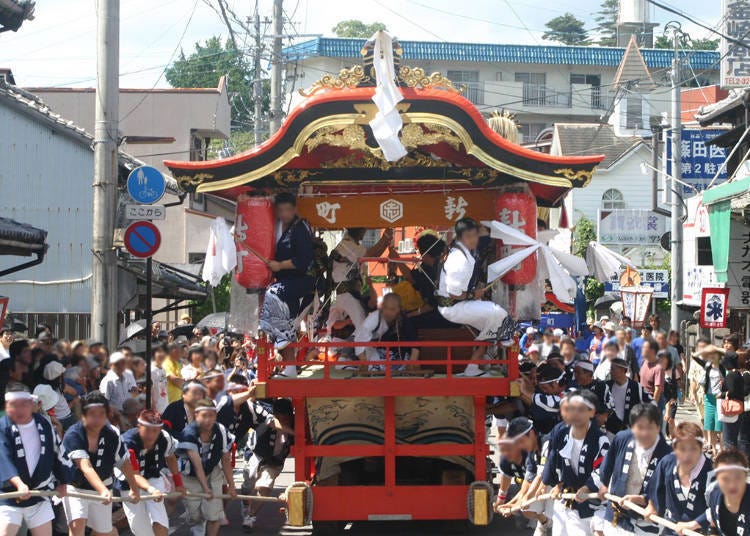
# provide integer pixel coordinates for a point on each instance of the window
(634, 111)
(535, 89)
(470, 79)
(613, 199)
(593, 80)
(532, 78)
(530, 131)
(703, 247)
(498, 77)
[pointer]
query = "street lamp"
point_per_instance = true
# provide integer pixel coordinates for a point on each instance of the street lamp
(635, 303)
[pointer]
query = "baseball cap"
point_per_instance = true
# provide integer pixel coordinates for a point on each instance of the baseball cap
(46, 395)
(557, 332)
(619, 362)
(116, 357)
(53, 370)
(533, 348)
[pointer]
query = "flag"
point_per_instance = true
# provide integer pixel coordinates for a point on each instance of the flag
(714, 310)
(221, 254)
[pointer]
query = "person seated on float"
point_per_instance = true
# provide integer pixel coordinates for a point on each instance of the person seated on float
(352, 299)
(387, 324)
(460, 302)
(424, 278)
(283, 300)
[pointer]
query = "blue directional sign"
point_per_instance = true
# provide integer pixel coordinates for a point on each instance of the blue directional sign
(142, 239)
(146, 185)
(699, 161)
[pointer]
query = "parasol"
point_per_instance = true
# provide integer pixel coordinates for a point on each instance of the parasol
(603, 263)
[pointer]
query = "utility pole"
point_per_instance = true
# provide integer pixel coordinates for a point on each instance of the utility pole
(257, 80)
(104, 325)
(676, 218)
(276, 66)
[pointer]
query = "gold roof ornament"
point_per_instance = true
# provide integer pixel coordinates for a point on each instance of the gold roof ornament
(505, 124)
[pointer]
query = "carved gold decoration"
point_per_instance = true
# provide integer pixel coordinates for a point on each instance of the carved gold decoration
(375, 161)
(188, 182)
(368, 110)
(416, 77)
(582, 175)
(347, 78)
(413, 135)
(352, 136)
(480, 174)
(285, 177)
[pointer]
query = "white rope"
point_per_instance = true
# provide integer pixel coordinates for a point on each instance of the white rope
(172, 495)
(654, 519)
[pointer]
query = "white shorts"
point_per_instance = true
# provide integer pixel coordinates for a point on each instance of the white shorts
(98, 516)
(204, 510)
(34, 516)
(567, 522)
(257, 476)
(142, 516)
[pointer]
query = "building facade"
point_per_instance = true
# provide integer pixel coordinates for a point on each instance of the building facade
(540, 84)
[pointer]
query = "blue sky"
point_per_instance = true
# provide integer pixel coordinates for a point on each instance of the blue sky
(59, 47)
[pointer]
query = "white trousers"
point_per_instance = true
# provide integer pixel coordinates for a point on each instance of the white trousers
(609, 530)
(485, 316)
(346, 305)
(567, 522)
(98, 516)
(142, 516)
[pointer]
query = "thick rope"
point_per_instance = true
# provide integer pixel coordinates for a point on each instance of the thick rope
(172, 495)
(654, 519)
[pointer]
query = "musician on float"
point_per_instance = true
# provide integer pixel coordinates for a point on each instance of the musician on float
(152, 453)
(31, 458)
(459, 302)
(95, 448)
(293, 286)
(352, 294)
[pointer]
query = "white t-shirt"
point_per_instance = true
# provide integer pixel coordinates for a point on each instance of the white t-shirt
(618, 399)
(4, 353)
(189, 372)
(575, 452)
(31, 444)
(62, 409)
(159, 388)
(350, 250)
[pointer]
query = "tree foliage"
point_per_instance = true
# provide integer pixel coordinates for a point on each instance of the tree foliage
(357, 28)
(606, 23)
(207, 64)
(221, 296)
(585, 232)
(664, 41)
(566, 29)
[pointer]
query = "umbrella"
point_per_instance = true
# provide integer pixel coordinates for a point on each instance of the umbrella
(603, 263)
(134, 329)
(185, 329)
(607, 300)
(214, 320)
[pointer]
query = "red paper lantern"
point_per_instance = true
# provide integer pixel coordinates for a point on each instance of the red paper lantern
(518, 209)
(254, 235)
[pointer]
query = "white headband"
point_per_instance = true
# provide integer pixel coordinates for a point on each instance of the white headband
(149, 424)
(734, 467)
(205, 408)
(19, 395)
(231, 386)
(578, 399)
(560, 377)
(518, 436)
(93, 405)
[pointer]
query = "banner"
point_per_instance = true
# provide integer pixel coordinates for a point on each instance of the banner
(714, 307)
(735, 58)
(630, 227)
(377, 211)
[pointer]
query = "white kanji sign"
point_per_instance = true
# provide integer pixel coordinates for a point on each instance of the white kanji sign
(714, 307)
(391, 210)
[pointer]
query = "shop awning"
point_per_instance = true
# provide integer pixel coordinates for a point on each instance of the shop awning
(718, 201)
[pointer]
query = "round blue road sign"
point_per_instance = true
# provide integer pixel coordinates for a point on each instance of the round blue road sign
(142, 239)
(146, 185)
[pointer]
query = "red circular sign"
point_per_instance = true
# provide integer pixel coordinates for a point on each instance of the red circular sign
(142, 239)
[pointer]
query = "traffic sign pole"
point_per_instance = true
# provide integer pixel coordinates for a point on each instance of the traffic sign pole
(149, 335)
